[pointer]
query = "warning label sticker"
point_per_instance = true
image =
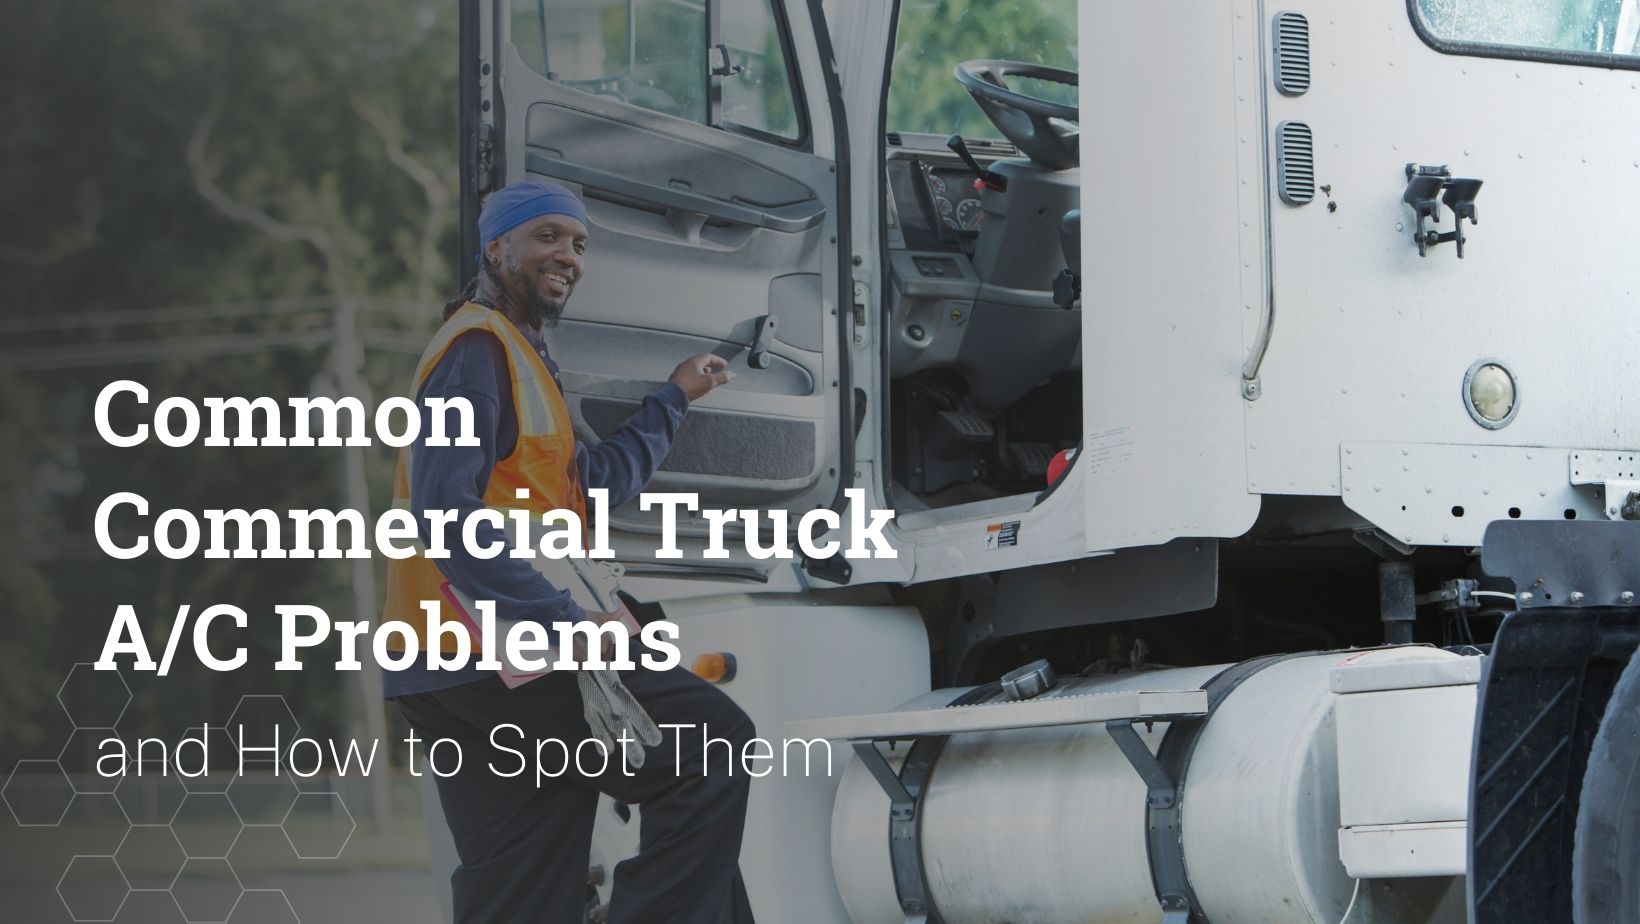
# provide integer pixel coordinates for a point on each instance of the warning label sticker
(1001, 535)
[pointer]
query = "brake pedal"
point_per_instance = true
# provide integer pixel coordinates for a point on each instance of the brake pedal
(970, 427)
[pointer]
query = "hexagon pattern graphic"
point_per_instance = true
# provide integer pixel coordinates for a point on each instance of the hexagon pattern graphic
(319, 826)
(205, 759)
(93, 698)
(264, 906)
(207, 891)
(93, 888)
(206, 825)
(151, 856)
(82, 757)
(150, 792)
(262, 857)
(156, 838)
(38, 793)
(262, 796)
(150, 907)
(262, 721)
(95, 824)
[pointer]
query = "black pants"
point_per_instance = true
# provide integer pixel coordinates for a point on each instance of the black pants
(524, 848)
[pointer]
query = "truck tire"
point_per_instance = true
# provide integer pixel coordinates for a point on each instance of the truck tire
(1606, 852)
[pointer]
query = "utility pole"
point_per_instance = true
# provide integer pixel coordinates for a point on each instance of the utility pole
(347, 367)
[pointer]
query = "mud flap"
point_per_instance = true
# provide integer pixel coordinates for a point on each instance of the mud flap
(1542, 700)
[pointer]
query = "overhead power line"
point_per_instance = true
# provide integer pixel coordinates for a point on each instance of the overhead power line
(220, 310)
(80, 356)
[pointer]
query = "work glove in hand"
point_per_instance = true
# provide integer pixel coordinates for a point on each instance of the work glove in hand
(610, 709)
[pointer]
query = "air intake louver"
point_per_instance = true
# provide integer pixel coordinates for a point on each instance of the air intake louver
(1292, 43)
(1295, 163)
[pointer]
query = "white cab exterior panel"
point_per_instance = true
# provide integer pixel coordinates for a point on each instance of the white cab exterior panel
(1371, 342)
(1170, 291)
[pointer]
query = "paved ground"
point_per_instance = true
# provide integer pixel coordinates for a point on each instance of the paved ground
(220, 859)
(356, 897)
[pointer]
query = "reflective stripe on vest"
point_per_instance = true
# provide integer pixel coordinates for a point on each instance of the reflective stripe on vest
(542, 461)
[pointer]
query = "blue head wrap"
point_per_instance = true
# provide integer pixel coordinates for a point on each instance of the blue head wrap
(511, 206)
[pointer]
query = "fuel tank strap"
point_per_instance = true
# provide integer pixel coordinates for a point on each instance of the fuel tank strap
(1164, 775)
(905, 790)
(1186, 712)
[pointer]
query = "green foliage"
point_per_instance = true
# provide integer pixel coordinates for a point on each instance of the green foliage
(935, 36)
(760, 95)
(25, 691)
(217, 154)
(326, 133)
(1568, 25)
(664, 70)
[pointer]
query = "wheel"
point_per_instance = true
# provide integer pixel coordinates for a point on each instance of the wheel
(1606, 851)
(1045, 131)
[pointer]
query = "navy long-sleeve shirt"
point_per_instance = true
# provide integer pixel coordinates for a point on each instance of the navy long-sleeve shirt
(455, 478)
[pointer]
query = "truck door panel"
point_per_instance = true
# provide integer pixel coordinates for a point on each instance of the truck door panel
(699, 229)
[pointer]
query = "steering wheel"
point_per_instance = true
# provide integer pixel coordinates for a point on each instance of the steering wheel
(1046, 132)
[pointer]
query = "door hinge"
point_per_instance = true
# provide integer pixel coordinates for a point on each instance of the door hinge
(857, 313)
(485, 179)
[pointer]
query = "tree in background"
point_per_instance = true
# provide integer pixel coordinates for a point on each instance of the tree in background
(934, 36)
(190, 188)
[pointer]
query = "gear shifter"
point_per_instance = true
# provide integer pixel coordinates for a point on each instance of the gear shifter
(987, 178)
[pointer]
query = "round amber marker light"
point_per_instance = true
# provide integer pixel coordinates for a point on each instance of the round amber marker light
(715, 667)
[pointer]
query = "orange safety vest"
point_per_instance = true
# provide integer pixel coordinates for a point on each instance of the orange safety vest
(543, 462)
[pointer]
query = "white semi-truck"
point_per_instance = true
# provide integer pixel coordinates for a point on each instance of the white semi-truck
(1331, 611)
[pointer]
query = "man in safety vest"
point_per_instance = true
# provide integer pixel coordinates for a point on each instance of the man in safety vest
(524, 847)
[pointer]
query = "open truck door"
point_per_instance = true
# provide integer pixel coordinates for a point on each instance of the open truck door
(701, 135)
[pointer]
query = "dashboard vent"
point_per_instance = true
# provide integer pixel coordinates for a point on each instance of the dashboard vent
(1292, 44)
(1295, 162)
(992, 147)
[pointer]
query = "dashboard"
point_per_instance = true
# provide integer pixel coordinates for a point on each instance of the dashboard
(951, 193)
(933, 204)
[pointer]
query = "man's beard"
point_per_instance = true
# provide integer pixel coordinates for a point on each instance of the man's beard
(538, 310)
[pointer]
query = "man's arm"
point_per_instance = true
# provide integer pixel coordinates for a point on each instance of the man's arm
(625, 461)
(455, 478)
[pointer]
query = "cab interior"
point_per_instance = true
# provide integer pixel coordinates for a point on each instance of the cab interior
(981, 230)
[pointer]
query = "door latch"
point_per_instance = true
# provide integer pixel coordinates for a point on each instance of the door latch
(1427, 188)
(722, 64)
(762, 342)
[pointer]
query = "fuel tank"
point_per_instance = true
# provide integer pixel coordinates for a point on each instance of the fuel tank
(1047, 825)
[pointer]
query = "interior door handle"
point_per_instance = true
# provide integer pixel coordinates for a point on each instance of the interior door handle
(762, 341)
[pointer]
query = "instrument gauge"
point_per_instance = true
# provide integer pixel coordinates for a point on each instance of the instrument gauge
(969, 215)
(943, 206)
(936, 184)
